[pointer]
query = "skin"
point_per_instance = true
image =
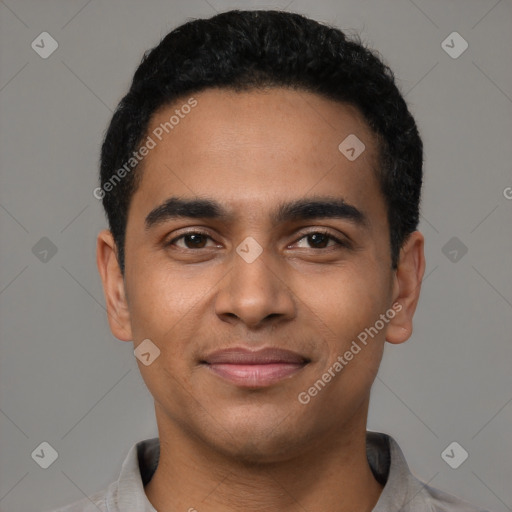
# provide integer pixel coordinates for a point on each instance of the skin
(223, 447)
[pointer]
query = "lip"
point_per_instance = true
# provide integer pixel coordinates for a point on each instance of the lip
(255, 368)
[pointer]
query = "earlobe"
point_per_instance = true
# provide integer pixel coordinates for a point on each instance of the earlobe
(406, 288)
(113, 286)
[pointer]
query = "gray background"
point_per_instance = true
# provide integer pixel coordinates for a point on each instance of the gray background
(66, 380)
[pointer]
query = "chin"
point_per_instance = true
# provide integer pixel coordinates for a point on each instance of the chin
(256, 444)
(253, 453)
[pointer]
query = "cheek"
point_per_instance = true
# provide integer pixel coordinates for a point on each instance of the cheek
(164, 308)
(346, 301)
(343, 312)
(161, 297)
(158, 313)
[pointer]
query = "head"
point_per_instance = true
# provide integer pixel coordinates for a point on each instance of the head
(250, 50)
(231, 139)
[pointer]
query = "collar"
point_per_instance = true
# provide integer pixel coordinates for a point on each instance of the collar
(402, 491)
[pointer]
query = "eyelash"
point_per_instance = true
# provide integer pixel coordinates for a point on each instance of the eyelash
(339, 242)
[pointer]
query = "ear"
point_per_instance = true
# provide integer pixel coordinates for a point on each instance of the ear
(113, 286)
(406, 288)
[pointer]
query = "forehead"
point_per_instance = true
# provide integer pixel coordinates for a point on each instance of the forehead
(247, 147)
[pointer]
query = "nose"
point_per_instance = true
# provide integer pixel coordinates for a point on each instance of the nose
(255, 293)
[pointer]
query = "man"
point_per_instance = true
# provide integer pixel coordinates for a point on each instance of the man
(262, 181)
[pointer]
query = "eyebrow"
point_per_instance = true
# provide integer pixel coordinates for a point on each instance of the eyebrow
(300, 209)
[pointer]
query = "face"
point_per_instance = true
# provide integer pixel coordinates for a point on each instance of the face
(285, 247)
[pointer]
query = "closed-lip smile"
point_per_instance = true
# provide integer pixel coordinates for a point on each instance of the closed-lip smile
(254, 368)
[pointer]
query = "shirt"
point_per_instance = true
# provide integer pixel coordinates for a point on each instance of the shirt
(402, 491)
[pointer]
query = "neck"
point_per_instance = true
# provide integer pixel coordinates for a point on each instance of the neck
(332, 474)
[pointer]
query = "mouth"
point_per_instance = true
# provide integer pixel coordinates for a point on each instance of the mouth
(255, 369)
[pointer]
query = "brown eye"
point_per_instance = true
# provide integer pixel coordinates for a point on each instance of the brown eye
(318, 240)
(321, 239)
(192, 240)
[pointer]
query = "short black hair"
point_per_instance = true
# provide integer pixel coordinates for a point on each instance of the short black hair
(242, 50)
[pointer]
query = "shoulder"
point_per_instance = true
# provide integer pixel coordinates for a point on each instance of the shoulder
(127, 492)
(441, 501)
(403, 490)
(94, 503)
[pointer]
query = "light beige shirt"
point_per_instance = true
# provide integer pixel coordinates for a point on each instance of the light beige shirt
(402, 492)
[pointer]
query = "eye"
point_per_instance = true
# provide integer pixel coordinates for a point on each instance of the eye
(316, 239)
(320, 239)
(192, 240)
